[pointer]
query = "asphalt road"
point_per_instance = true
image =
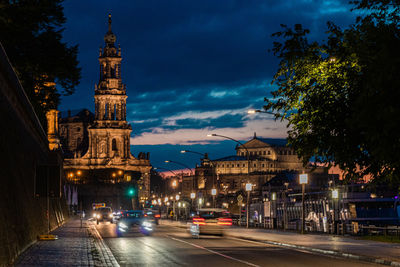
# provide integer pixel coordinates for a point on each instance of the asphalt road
(173, 246)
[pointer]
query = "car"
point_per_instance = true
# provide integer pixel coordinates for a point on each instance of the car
(117, 215)
(210, 222)
(153, 216)
(131, 220)
(103, 214)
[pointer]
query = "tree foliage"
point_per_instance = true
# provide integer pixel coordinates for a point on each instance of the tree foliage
(341, 96)
(31, 33)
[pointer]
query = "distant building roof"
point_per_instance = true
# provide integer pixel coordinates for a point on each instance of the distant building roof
(274, 141)
(231, 158)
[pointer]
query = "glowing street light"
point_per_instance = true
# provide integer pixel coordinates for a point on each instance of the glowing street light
(177, 197)
(335, 197)
(192, 195)
(213, 193)
(249, 187)
(303, 180)
(335, 194)
(254, 111)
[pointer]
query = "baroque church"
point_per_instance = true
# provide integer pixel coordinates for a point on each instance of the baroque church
(97, 146)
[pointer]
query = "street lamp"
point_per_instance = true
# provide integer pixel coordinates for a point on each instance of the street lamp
(303, 180)
(191, 172)
(204, 155)
(249, 186)
(335, 197)
(200, 202)
(213, 193)
(254, 111)
(285, 206)
(247, 151)
(192, 197)
(171, 161)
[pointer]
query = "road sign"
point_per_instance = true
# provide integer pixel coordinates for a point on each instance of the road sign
(240, 198)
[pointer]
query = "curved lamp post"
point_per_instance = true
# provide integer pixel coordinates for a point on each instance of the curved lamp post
(168, 161)
(204, 155)
(248, 167)
(253, 111)
(184, 165)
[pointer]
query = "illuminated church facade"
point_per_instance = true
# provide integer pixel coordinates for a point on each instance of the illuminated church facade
(98, 145)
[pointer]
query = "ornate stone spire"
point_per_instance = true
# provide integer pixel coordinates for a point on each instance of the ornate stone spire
(109, 38)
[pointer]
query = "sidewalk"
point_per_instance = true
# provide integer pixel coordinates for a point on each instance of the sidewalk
(75, 246)
(363, 250)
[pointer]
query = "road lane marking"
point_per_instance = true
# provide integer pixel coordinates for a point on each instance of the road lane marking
(215, 252)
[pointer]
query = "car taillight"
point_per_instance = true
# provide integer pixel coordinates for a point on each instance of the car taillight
(199, 221)
(225, 221)
(157, 216)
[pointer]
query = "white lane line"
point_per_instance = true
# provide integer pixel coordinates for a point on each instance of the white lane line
(215, 252)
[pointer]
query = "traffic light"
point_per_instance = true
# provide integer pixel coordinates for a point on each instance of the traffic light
(131, 192)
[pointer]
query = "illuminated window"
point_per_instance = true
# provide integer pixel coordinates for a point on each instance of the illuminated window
(128, 178)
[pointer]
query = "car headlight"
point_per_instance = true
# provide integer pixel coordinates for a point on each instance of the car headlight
(122, 225)
(146, 224)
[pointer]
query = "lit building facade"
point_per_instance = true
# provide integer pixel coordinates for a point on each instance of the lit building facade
(256, 162)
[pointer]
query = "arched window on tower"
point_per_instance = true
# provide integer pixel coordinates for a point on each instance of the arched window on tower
(114, 145)
(105, 111)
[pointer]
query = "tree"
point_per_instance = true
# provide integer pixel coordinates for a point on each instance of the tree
(341, 97)
(32, 37)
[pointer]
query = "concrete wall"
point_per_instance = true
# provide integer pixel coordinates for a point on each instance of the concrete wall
(23, 146)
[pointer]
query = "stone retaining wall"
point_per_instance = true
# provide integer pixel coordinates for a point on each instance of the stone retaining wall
(23, 146)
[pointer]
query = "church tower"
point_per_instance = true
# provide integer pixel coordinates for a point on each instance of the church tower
(108, 160)
(110, 133)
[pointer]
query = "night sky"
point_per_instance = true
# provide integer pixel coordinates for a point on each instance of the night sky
(191, 67)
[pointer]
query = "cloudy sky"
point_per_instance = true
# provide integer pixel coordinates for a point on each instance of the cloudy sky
(191, 67)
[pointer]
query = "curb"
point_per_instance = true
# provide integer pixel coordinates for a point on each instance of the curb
(104, 254)
(325, 252)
